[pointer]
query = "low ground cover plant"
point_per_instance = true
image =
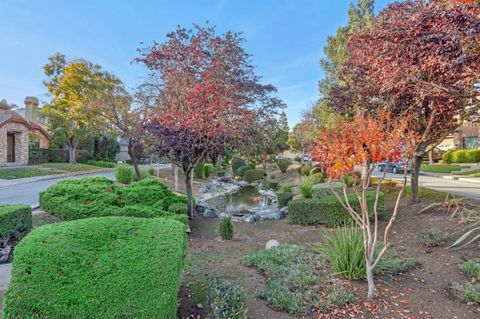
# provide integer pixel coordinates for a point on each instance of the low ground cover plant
(75, 269)
(99, 196)
(431, 237)
(226, 300)
(471, 268)
(470, 293)
(328, 210)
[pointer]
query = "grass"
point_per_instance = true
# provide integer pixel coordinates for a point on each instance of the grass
(470, 293)
(473, 173)
(24, 172)
(471, 268)
(110, 267)
(427, 195)
(67, 167)
(440, 168)
(292, 277)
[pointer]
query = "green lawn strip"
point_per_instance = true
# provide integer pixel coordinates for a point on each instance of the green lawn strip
(72, 168)
(109, 267)
(473, 173)
(24, 172)
(440, 168)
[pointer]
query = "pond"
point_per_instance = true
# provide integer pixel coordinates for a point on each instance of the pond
(242, 202)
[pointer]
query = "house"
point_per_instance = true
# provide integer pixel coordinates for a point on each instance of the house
(19, 130)
(467, 136)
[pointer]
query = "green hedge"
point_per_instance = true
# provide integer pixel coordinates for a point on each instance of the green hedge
(106, 267)
(323, 189)
(106, 164)
(253, 175)
(99, 196)
(461, 156)
(328, 210)
(15, 220)
(283, 199)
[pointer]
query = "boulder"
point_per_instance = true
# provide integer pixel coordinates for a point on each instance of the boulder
(271, 244)
(249, 219)
(210, 213)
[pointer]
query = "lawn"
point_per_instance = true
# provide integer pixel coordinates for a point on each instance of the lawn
(69, 167)
(23, 172)
(440, 168)
(473, 173)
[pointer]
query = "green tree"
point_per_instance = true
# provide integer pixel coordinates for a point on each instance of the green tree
(71, 84)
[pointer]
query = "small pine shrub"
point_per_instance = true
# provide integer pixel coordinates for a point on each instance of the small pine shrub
(200, 171)
(241, 171)
(431, 237)
(471, 268)
(286, 188)
(124, 174)
(283, 199)
(225, 228)
(283, 164)
(253, 175)
(208, 170)
(151, 171)
(226, 300)
(236, 163)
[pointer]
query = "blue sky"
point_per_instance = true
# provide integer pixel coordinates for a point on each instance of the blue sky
(285, 37)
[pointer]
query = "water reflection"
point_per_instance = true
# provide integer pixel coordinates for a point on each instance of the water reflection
(241, 202)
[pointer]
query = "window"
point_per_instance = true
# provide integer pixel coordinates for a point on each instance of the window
(470, 142)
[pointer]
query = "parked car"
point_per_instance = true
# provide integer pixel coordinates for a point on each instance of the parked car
(395, 167)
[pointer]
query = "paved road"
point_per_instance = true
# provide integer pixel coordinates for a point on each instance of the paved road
(28, 193)
(455, 187)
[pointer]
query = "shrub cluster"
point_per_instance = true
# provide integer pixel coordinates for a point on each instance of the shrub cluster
(431, 237)
(241, 170)
(106, 164)
(328, 210)
(284, 198)
(272, 184)
(325, 189)
(471, 268)
(283, 164)
(124, 173)
(253, 175)
(226, 300)
(15, 221)
(99, 196)
(461, 156)
(225, 228)
(236, 163)
(107, 267)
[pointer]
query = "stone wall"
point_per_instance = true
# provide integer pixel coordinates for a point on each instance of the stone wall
(21, 143)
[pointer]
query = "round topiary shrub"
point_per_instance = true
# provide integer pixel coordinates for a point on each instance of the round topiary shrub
(225, 228)
(236, 163)
(283, 199)
(124, 174)
(253, 175)
(241, 171)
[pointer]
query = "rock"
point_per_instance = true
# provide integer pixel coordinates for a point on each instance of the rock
(284, 210)
(249, 219)
(223, 215)
(278, 215)
(271, 244)
(210, 213)
(199, 306)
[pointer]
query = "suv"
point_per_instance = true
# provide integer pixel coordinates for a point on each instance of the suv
(395, 167)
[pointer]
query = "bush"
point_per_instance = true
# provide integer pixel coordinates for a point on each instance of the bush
(472, 156)
(226, 300)
(328, 210)
(221, 173)
(106, 164)
(97, 196)
(253, 175)
(236, 163)
(292, 277)
(241, 171)
(15, 221)
(144, 173)
(273, 185)
(345, 252)
(306, 186)
(208, 169)
(283, 199)
(283, 164)
(470, 293)
(471, 268)
(178, 208)
(461, 156)
(151, 171)
(225, 228)
(200, 171)
(325, 189)
(124, 174)
(286, 188)
(75, 269)
(431, 237)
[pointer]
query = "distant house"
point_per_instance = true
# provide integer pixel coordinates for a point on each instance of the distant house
(19, 130)
(467, 136)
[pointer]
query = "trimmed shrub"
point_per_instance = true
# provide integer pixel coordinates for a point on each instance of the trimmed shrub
(325, 189)
(226, 300)
(461, 156)
(447, 157)
(283, 199)
(236, 163)
(328, 210)
(74, 270)
(200, 171)
(472, 156)
(98, 196)
(15, 220)
(253, 175)
(178, 208)
(225, 228)
(283, 164)
(241, 171)
(105, 164)
(124, 174)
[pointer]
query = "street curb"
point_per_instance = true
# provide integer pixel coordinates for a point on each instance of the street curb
(469, 179)
(55, 176)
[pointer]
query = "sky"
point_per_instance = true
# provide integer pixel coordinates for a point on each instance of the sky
(284, 37)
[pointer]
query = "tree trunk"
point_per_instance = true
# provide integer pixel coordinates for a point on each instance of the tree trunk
(72, 147)
(175, 172)
(371, 283)
(430, 157)
(188, 189)
(415, 174)
(134, 160)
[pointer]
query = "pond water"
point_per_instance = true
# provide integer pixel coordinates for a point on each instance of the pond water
(240, 202)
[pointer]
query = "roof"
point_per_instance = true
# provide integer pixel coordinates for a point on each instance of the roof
(16, 118)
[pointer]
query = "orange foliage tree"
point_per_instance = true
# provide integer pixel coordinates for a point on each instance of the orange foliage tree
(362, 143)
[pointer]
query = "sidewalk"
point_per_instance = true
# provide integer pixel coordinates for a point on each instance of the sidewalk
(13, 182)
(451, 176)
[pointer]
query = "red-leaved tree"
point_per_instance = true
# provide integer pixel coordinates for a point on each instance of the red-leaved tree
(419, 58)
(362, 143)
(206, 96)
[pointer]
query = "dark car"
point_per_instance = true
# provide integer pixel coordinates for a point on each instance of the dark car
(395, 167)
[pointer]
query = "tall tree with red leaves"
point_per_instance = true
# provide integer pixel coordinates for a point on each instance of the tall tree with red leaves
(207, 96)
